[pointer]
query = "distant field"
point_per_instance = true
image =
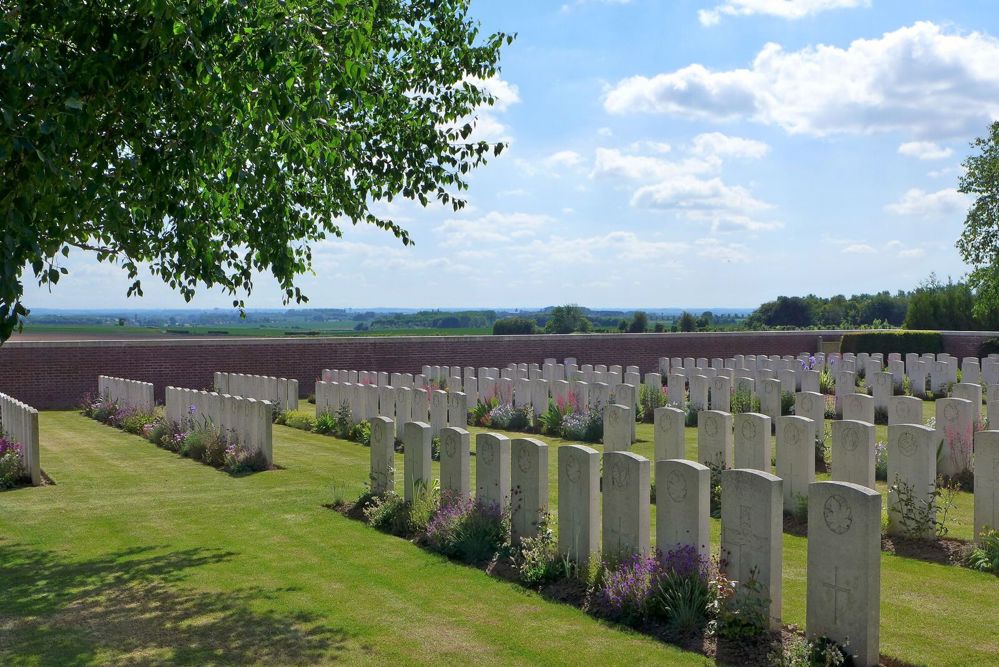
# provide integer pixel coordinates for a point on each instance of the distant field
(324, 329)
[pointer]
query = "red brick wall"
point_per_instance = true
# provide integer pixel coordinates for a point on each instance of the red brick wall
(55, 374)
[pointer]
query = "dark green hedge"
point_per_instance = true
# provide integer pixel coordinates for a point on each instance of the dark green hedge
(509, 326)
(990, 346)
(886, 342)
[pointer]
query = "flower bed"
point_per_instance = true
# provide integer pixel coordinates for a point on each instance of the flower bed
(195, 438)
(12, 470)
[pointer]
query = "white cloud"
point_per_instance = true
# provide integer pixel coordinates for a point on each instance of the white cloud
(691, 193)
(722, 145)
(651, 146)
(487, 126)
(943, 203)
(563, 159)
(924, 150)
(785, 9)
(859, 249)
(610, 162)
(911, 253)
(494, 227)
(918, 79)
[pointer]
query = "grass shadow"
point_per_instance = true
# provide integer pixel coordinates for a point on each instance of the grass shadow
(129, 607)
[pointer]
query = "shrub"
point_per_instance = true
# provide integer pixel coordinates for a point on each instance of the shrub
(325, 424)
(511, 326)
(786, 403)
(741, 611)
(988, 346)
(303, 421)
(361, 432)
(827, 382)
(551, 419)
(389, 513)
(628, 587)
(238, 460)
(508, 418)
(649, 398)
(538, 560)
(887, 342)
(690, 418)
(985, 556)
(479, 414)
(682, 595)
(585, 426)
(919, 516)
(716, 468)
(467, 530)
(744, 401)
(12, 470)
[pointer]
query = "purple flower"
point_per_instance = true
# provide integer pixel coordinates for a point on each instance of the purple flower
(193, 409)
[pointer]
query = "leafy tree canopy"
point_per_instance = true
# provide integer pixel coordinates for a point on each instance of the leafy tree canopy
(567, 319)
(213, 139)
(979, 243)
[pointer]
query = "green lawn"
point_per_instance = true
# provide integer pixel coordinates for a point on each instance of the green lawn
(138, 556)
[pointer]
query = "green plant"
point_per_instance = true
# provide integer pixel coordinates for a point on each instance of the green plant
(744, 401)
(827, 383)
(690, 416)
(325, 424)
(985, 555)
(12, 470)
(649, 398)
(388, 512)
(471, 531)
(361, 433)
(716, 467)
(551, 419)
(800, 652)
(920, 516)
(303, 421)
(786, 403)
(426, 501)
(538, 560)
(740, 609)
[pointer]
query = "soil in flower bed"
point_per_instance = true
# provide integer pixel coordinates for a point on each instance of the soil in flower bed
(944, 551)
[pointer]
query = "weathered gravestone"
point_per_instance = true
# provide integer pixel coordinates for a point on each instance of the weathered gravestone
(618, 421)
(418, 474)
(858, 407)
(492, 469)
(986, 482)
(905, 410)
(853, 452)
(382, 455)
(751, 533)
(769, 397)
(668, 433)
(752, 441)
(715, 444)
(683, 504)
(912, 464)
(455, 463)
(721, 393)
(844, 568)
(529, 487)
(626, 513)
(811, 405)
(795, 458)
(578, 502)
(956, 429)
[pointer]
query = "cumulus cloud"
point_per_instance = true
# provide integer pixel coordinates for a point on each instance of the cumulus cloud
(942, 203)
(611, 162)
(691, 193)
(722, 145)
(494, 227)
(924, 150)
(785, 9)
(919, 79)
(563, 159)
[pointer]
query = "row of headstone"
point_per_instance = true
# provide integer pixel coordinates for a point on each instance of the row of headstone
(127, 393)
(246, 420)
(281, 392)
(19, 422)
(613, 517)
(401, 404)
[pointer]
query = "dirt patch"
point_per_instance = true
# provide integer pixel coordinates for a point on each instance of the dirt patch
(943, 551)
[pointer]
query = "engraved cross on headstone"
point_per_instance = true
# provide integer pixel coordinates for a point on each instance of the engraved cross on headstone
(836, 589)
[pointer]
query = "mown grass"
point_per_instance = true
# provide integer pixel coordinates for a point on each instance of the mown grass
(138, 556)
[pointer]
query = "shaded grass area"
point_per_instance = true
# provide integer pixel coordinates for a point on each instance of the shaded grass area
(138, 557)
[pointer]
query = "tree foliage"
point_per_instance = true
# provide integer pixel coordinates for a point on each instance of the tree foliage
(686, 322)
(639, 323)
(979, 242)
(212, 140)
(510, 326)
(567, 319)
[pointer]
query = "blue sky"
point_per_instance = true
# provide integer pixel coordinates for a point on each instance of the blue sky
(681, 154)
